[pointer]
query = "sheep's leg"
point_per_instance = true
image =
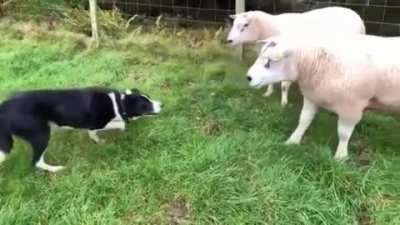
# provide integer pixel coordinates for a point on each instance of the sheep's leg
(345, 130)
(285, 86)
(307, 115)
(269, 91)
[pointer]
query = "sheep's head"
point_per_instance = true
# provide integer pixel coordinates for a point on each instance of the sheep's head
(244, 29)
(271, 66)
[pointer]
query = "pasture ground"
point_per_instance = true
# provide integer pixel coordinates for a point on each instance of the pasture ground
(215, 155)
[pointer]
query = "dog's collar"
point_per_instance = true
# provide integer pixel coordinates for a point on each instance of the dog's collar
(121, 107)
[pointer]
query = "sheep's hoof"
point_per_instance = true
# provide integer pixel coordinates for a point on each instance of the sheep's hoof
(291, 141)
(284, 103)
(268, 94)
(341, 158)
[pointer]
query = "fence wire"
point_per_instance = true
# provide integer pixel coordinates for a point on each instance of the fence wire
(203, 11)
(382, 17)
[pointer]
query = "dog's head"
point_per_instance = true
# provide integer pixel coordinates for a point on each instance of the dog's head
(137, 104)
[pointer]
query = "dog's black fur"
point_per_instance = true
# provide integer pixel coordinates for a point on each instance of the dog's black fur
(28, 114)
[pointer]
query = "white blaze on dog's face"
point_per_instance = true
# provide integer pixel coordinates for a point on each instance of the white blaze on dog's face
(243, 29)
(138, 104)
(270, 67)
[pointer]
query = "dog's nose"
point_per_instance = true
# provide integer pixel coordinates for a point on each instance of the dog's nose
(248, 78)
(230, 41)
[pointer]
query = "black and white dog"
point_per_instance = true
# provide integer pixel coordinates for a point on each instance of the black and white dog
(29, 114)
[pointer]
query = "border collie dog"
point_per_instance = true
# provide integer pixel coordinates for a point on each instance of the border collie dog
(28, 115)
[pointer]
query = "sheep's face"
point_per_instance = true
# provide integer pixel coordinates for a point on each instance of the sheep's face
(243, 30)
(270, 66)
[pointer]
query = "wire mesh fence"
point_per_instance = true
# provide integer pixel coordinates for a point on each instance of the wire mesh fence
(382, 17)
(202, 11)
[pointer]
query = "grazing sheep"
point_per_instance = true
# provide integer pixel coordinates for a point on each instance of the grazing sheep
(257, 25)
(345, 74)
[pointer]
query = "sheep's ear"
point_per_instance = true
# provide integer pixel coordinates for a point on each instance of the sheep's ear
(234, 16)
(265, 41)
(279, 54)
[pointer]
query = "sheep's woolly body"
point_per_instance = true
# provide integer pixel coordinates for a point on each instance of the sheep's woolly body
(360, 71)
(257, 25)
(331, 20)
(346, 74)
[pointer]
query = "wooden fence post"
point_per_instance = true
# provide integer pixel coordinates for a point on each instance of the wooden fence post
(93, 20)
(239, 8)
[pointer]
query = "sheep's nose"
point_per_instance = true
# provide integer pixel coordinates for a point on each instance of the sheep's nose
(248, 78)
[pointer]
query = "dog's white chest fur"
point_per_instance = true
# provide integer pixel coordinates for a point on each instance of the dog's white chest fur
(117, 122)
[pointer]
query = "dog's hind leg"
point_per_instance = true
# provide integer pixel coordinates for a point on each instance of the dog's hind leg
(6, 143)
(39, 143)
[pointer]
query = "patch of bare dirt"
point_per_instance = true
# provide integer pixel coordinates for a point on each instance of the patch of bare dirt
(178, 212)
(364, 217)
(363, 156)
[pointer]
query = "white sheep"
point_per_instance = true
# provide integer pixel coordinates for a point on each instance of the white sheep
(345, 74)
(257, 25)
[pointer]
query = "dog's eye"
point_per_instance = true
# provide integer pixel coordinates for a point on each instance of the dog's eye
(268, 64)
(246, 25)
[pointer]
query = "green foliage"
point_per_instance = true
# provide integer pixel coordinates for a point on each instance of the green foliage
(111, 22)
(213, 156)
(26, 9)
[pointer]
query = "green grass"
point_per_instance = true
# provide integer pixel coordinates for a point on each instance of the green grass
(215, 155)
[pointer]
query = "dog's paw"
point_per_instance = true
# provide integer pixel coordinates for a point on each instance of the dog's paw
(57, 168)
(93, 135)
(50, 168)
(99, 141)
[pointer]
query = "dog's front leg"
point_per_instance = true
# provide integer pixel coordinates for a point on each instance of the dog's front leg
(93, 135)
(113, 125)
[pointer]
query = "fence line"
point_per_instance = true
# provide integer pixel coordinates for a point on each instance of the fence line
(381, 19)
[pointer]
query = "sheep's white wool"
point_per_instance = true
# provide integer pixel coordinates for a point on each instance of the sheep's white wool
(257, 25)
(345, 74)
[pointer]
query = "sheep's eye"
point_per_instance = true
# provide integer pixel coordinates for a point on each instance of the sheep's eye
(267, 65)
(244, 27)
